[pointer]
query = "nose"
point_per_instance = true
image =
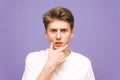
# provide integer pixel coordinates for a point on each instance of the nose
(58, 36)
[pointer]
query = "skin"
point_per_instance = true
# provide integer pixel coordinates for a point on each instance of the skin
(58, 34)
(59, 31)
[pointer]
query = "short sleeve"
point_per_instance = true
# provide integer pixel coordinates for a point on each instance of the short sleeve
(90, 74)
(29, 69)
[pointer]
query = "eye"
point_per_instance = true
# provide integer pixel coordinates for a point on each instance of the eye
(53, 30)
(64, 30)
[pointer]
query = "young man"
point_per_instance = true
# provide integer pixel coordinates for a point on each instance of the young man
(58, 62)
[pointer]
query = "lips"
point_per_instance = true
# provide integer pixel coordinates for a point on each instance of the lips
(58, 44)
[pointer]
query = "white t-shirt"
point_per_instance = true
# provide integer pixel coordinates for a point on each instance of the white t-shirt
(75, 67)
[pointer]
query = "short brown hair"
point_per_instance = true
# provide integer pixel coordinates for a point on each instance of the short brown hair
(58, 13)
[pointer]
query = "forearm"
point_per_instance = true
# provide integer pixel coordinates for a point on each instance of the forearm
(46, 72)
(55, 58)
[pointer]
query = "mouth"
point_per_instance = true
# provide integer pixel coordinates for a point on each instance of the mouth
(58, 44)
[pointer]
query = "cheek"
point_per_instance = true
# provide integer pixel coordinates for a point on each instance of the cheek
(67, 37)
(50, 38)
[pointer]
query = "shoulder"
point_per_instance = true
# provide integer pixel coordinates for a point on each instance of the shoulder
(34, 56)
(78, 57)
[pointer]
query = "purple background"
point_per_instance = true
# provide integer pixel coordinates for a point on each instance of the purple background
(97, 34)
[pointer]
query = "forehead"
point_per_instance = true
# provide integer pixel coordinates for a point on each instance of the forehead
(58, 24)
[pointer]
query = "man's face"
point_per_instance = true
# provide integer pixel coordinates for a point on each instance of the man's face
(59, 32)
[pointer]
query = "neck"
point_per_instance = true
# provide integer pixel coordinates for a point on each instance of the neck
(67, 52)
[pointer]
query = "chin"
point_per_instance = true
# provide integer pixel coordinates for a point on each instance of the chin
(57, 47)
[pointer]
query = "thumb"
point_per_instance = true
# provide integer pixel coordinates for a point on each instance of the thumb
(62, 48)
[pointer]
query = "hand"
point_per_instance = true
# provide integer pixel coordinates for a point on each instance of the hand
(56, 57)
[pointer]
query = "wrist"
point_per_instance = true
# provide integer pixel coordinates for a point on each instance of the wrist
(49, 67)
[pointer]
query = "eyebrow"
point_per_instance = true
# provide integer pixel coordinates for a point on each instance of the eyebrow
(60, 28)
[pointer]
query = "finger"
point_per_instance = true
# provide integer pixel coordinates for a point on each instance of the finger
(62, 48)
(51, 46)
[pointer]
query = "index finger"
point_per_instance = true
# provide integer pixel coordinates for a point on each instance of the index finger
(51, 46)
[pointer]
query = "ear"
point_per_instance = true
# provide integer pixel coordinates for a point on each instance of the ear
(72, 33)
(46, 35)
